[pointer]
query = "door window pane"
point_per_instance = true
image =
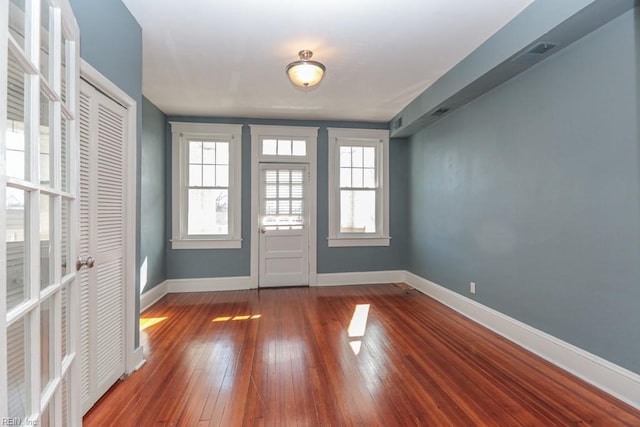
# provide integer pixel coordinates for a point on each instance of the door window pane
(46, 258)
(46, 342)
(357, 211)
(45, 39)
(16, 21)
(66, 319)
(45, 140)
(17, 207)
(63, 69)
(65, 248)
(64, 154)
(15, 156)
(17, 369)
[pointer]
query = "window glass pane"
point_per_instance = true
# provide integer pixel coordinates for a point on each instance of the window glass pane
(357, 211)
(296, 191)
(296, 207)
(46, 218)
(271, 207)
(284, 191)
(209, 153)
(369, 157)
(66, 400)
(369, 178)
(356, 177)
(208, 212)
(222, 153)
(269, 147)
(222, 176)
(45, 140)
(271, 191)
(17, 20)
(345, 177)
(195, 176)
(17, 369)
(45, 43)
(16, 159)
(208, 176)
(299, 148)
(345, 156)
(17, 249)
(195, 152)
(284, 177)
(284, 147)
(284, 207)
(46, 342)
(356, 156)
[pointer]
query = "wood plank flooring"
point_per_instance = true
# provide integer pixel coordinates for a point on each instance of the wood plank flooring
(380, 355)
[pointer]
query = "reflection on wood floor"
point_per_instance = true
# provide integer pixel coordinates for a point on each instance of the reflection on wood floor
(380, 355)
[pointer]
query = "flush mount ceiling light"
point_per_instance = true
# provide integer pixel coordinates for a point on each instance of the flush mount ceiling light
(304, 72)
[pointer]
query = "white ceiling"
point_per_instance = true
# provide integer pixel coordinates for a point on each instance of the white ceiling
(227, 57)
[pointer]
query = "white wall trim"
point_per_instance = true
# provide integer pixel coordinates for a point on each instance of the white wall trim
(138, 360)
(95, 78)
(209, 284)
(152, 296)
(609, 377)
(361, 278)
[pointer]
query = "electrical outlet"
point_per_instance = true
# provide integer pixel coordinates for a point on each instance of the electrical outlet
(472, 287)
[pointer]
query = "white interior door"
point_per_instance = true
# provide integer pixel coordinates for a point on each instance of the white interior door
(38, 284)
(284, 231)
(103, 138)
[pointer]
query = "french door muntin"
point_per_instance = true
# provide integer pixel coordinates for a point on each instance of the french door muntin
(38, 290)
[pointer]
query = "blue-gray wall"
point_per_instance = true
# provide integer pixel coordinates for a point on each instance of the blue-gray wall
(533, 192)
(236, 262)
(111, 42)
(153, 239)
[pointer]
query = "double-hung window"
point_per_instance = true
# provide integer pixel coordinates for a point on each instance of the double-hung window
(358, 187)
(206, 185)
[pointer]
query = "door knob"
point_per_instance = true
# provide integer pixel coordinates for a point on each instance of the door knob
(88, 261)
(263, 230)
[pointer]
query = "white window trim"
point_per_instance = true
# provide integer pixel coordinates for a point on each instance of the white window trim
(181, 132)
(310, 134)
(366, 137)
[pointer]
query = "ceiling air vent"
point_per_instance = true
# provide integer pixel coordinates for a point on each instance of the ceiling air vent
(535, 53)
(440, 112)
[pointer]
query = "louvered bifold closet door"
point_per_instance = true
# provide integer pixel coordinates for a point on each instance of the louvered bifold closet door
(102, 290)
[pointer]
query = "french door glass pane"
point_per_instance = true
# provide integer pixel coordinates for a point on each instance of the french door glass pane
(16, 21)
(65, 247)
(65, 400)
(208, 212)
(18, 391)
(45, 140)
(64, 154)
(357, 211)
(17, 211)
(45, 39)
(65, 313)
(47, 338)
(15, 156)
(46, 218)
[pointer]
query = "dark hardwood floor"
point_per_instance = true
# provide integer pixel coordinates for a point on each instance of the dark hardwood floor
(285, 357)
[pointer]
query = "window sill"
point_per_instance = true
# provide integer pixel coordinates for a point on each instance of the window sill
(206, 244)
(338, 242)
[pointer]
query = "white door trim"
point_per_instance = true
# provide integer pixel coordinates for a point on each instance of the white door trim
(133, 356)
(310, 134)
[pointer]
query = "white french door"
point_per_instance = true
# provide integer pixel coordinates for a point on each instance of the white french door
(103, 141)
(39, 66)
(284, 230)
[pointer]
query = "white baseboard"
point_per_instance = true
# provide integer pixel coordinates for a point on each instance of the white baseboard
(611, 378)
(152, 296)
(361, 278)
(209, 284)
(137, 360)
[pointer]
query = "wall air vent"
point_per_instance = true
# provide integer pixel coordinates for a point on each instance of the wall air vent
(440, 112)
(535, 53)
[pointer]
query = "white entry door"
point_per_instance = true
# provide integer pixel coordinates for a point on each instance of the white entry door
(284, 231)
(103, 138)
